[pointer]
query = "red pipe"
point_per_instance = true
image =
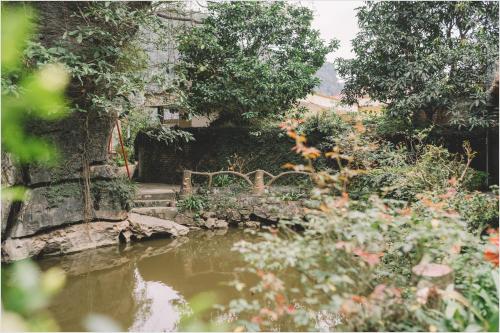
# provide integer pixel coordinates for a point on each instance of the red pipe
(123, 148)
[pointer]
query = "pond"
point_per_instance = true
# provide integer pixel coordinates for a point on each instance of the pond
(147, 286)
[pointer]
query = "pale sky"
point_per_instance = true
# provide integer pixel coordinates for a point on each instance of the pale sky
(336, 19)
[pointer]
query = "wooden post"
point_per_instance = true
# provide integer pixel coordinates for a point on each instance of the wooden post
(209, 181)
(123, 148)
(187, 188)
(258, 186)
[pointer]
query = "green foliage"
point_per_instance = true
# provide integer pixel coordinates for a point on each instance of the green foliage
(324, 129)
(119, 158)
(27, 94)
(122, 190)
(291, 196)
(55, 194)
(136, 121)
(14, 193)
(223, 180)
(478, 209)
(100, 49)
(193, 203)
(200, 304)
(26, 292)
(251, 59)
(373, 264)
(356, 260)
(480, 288)
(168, 135)
(426, 57)
(404, 178)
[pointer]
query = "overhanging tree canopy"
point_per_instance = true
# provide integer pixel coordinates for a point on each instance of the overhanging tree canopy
(431, 57)
(251, 59)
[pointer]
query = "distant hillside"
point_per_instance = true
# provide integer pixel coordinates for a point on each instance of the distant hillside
(330, 85)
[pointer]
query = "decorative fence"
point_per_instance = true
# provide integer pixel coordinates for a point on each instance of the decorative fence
(258, 184)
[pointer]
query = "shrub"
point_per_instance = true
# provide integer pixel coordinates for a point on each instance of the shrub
(291, 196)
(372, 265)
(193, 203)
(323, 129)
(402, 178)
(223, 180)
(480, 210)
(360, 263)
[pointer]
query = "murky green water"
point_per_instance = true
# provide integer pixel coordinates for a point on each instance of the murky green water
(146, 286)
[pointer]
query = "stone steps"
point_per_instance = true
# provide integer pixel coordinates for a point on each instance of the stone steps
(154, 203)
(166, 213)
(166, 195)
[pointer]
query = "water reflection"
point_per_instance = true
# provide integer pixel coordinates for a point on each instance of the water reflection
(145, 287)
(159, 307)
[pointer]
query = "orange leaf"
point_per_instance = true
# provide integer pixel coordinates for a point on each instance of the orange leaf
(369, 257)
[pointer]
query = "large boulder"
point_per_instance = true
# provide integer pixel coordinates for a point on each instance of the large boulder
(144, 226)
(74, 137)
(11, 176)
(56, 192)
(70, 239)
(56, 205)
(84, 236)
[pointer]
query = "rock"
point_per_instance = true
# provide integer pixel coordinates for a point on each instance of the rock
(233, 215)
(260, 212)
(38, 174)
(221, 224)
(70, 239)
(184, 219)
(6, 204)
(69, 135)
(213, 223)
(194, 228)
(210, 223)
(154, 203)
(207, 215)
(11, 175)
(49, 207)
(142, 226)
(245, 214)
(166, 213)
(252, 224)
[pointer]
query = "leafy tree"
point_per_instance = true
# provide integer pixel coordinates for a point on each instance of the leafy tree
(432, 58)
(251, 59)
(100, 45)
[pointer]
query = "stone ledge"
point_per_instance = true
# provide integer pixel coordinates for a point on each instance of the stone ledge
(79, 237)
(49, 207)
(43, 175)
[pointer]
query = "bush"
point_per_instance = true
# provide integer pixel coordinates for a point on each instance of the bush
(480, 210)
(358, 260)
(324, 129)
(377, 264)
(402, 178)
(193, 203)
